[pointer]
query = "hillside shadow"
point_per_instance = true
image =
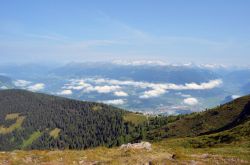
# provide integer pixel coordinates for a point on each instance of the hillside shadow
(239, 120)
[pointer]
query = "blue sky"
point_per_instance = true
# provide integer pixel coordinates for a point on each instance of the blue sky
(180, 31)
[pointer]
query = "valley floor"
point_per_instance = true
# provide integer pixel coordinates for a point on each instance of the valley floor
(165, 152)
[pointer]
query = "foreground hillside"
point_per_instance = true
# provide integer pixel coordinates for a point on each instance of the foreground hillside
(170, 151)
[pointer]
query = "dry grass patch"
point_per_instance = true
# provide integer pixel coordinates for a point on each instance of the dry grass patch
(55, 133)
(135, 118)
(12, 116)
(16, 125)
(162, 153)
(96, 108)
(33, 137)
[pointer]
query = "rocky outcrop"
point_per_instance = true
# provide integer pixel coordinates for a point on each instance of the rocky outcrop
(141, 145)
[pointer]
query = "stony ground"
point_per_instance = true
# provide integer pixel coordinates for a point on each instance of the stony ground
(165, 152)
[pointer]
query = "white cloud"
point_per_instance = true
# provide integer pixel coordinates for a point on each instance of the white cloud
(159, 89)
(212, 66)
(103, 89)
(153, 93)
(36, 87)
(65, 92)
(235, 96)
(28, 85)
(167, 86)
(81, 84)
(3, 87)
(115, 102)
(76, 84)
(191, 101)
(76, 87)
(102, 85)
(120, 94)
(207, 85)
(21, 83)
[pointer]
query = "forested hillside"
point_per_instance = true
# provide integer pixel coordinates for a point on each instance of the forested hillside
(38, 121)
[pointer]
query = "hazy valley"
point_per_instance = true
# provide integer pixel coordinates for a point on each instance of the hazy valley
(148, 87)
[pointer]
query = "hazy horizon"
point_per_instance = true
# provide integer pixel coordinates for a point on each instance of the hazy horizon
(126, 62)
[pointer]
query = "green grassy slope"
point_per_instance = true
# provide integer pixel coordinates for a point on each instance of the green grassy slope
(214, 120)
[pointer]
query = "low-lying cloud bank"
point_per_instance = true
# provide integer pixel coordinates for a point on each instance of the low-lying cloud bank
(4, 87)
(23, 84)
(101, 85)
(114, 102)
(102, 89)
(65, 92)
(120, 94)
(36, 87)
(191, 101)
(153, 93)
(235, 96)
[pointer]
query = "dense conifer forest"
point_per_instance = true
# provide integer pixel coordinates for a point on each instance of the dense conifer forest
(37, 121)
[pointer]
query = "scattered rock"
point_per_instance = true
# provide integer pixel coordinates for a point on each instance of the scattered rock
(141, 145)
(83, 162)
(173, 156)
(148, 163)
(192, 162)
(28, 160)
(205, 156)
(4, 162)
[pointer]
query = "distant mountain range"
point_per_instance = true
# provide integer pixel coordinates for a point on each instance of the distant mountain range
(148, 73)
(246, 88)
(6, 82)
